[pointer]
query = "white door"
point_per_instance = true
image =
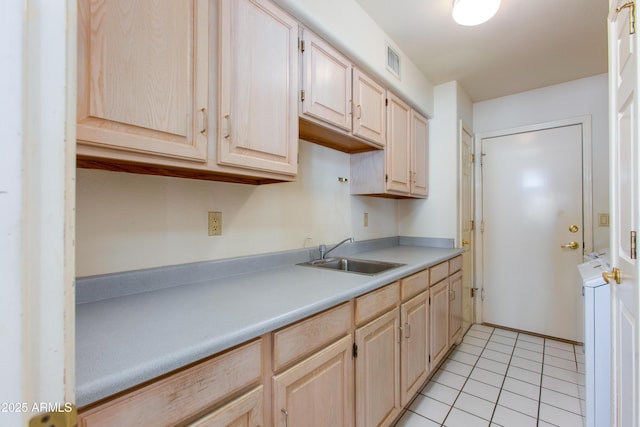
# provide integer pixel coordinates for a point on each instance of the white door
(533, 229)
(624, 198)
(466, 225)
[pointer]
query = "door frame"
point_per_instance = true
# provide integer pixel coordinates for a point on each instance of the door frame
(38, 196)
(587, 191)
(462, 128)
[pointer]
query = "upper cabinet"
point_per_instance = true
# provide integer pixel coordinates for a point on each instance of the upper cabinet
(143, 77)
(340, 107)
(401, 170)
(258, 87)
(195, 89)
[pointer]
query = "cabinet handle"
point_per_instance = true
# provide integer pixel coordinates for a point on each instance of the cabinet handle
(407, 334)
(227, 131)
(203, 129)
(286, 417)
(359, 107)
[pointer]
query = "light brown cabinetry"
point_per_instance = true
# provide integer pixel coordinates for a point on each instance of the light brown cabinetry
(143, 77)
(455, 299)
(318, 391)
(245, 411)
(203, 90)
(358, 363)
(401, 170)
(378, 357)
(439, 316)
(340, 106)
(188, 394)
(257, 91)
(414, 345)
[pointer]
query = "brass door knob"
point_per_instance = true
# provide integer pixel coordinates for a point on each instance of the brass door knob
(570, 245)
(614, 274)
(573, 228)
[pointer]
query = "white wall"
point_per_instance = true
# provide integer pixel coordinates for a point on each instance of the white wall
(127, 221)
(588, 96)
(437, 216)
(351, 30)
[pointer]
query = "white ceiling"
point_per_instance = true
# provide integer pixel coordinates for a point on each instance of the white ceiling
(528, 44)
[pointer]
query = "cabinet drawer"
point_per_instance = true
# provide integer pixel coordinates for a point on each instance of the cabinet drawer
(438, 272)
(414, 284)
(307, 336)
(181, 395)
(377, 302)
(455, 264)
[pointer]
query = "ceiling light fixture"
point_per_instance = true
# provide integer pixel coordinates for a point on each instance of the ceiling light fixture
(474, 12)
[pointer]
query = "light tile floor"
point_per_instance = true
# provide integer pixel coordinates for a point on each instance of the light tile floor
(502, 378)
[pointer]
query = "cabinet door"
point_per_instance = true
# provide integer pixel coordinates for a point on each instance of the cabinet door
(245, 411)
(258, 79)
(318, 391)
(397, 151)
(326, 82)
(419, 155)
(439, 311)
(414, 349)
(142, 77)
(377, 371)
(369, 111)
(455, 305)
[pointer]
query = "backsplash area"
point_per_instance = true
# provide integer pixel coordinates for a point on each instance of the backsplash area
(105, 286)
(130, 222)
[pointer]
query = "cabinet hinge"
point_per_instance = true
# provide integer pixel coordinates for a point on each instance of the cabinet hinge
(482, 226)
(386, 177)
(634, 250)
(302, 95)
(473, 158)
(355, 350)
(472, 225)
(62, 415)
(301, 45)
(429, 300)
(386, 102)
(429, 358)
(473, 292)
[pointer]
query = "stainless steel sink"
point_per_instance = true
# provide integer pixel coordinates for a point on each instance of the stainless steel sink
(350, 265)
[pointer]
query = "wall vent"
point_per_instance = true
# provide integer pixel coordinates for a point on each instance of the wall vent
(393, 61)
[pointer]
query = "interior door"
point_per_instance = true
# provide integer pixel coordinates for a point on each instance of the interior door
(624, 179)
(533, 229)
(467, 226)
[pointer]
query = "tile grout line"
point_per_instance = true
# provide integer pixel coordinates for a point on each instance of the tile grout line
(469, 376)
(503, 378)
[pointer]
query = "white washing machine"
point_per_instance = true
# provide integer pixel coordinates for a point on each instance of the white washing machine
(597, 339)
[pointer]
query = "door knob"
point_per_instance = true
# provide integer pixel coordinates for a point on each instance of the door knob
(573, 228)
(571, 245)
(614, 274)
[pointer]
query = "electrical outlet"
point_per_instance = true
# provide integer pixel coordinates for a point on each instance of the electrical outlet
(215, 223)
(366, 219)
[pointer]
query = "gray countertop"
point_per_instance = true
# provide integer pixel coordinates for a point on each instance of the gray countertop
(124, 341)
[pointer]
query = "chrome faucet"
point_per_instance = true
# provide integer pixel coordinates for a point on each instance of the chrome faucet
(324, 251)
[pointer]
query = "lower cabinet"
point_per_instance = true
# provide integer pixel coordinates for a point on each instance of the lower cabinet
(317, 391)
(455, 307)
(377, 371)
(190, 394)
(245, 411)
(414, 346)
(439, 337)
(355, 364)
